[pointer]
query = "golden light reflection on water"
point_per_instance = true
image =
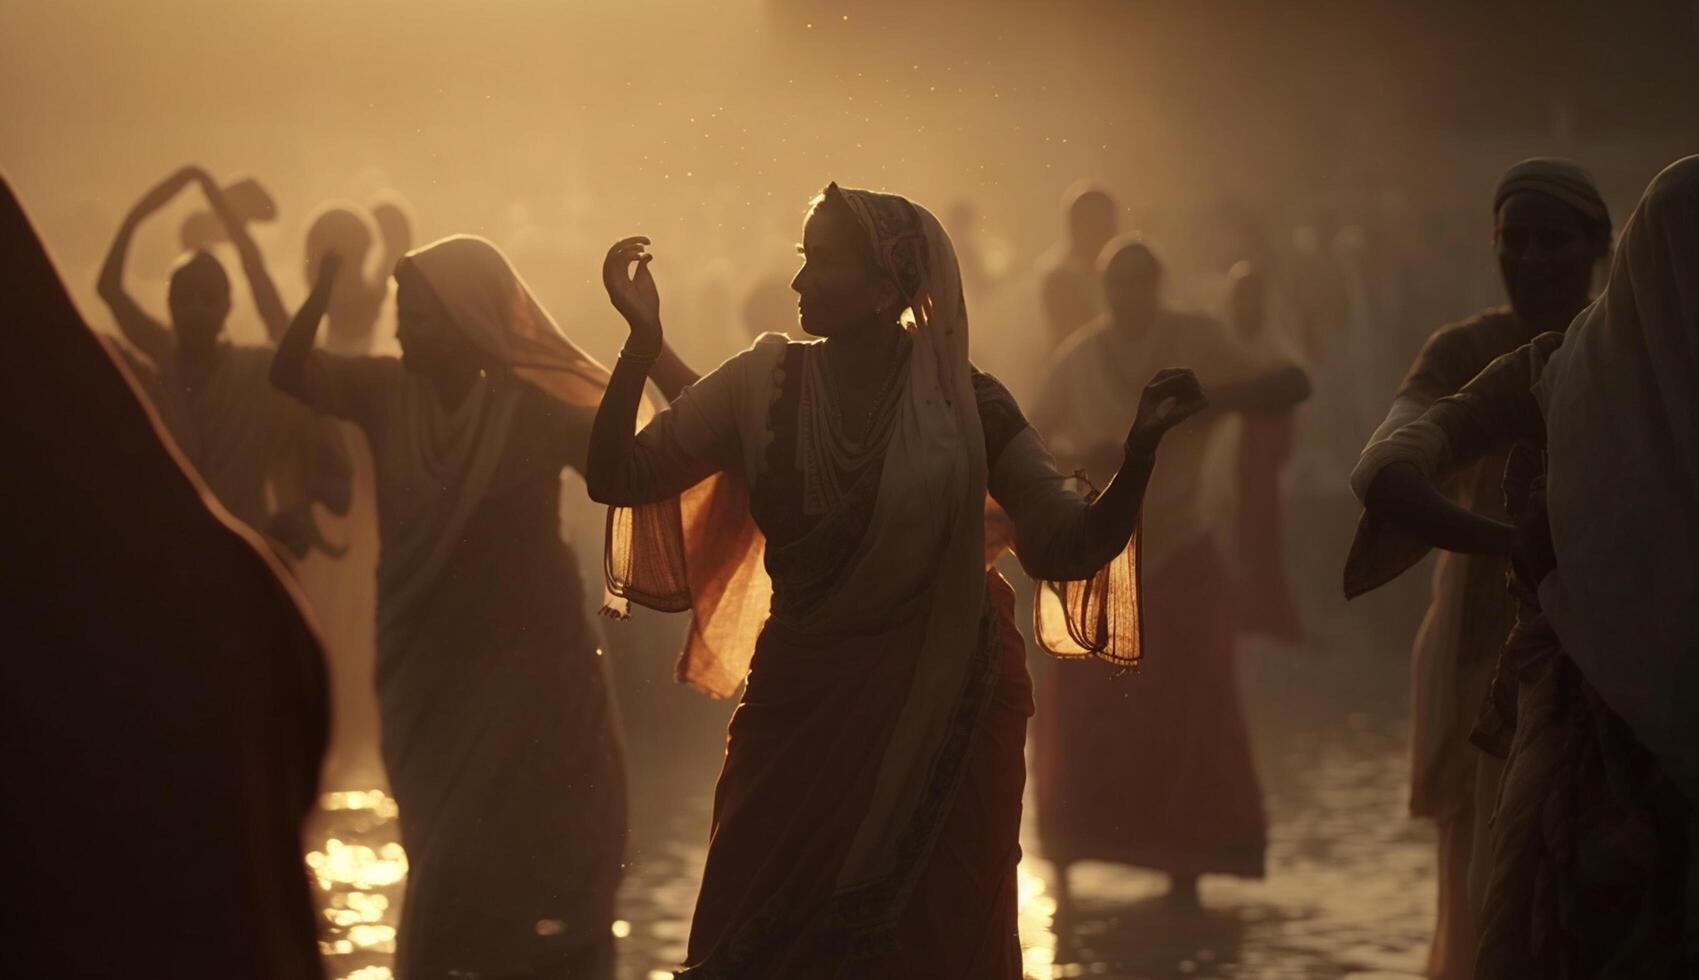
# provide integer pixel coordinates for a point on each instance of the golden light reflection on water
(357, 865)
(375, 800)
(1037, 918)
(361, 869)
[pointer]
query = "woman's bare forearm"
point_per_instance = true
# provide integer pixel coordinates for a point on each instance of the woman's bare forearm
(290, 364)
(612, 434)
(1112, 518)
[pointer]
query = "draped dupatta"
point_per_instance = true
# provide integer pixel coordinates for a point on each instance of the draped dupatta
(922, 553)
(454, 453)
(896, 546)
(1621, 402)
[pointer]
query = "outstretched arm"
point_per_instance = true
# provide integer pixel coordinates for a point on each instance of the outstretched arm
(1396, 477)
(1402, 492)
(636, 298)
(1272, 392)
(147, 334)
(1061, 537)
(292, 363)
(266, 299)
(621, 469)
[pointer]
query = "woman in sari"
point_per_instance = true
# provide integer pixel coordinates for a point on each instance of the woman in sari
(268, 460)
(1551, 231)
(497, 729)
(342, 586)
(1261, 596)
(1195, 807)
(1591, 869)
(821, 509)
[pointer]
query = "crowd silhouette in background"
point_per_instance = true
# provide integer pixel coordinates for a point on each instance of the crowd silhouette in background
(872, 488)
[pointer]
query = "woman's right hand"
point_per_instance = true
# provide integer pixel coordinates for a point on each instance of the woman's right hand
(633, 293)
(1171, 397)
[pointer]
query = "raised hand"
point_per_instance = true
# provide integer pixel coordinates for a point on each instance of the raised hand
(250, 202)
(394, 227)
(633, 293)
(1172, 396)
(165, 190)
(294, 351)
(325, 281)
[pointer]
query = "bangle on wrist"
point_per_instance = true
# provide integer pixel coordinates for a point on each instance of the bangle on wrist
(638, 357)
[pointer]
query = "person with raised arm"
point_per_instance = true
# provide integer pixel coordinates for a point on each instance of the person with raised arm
(268, 460)
(1194, 806)
(820, 507)
(499, 732)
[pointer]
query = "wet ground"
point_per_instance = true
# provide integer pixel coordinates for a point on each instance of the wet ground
(1349, 893)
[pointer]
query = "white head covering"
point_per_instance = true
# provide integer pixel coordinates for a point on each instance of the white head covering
(455, 452)
(1621, 399)
(923, 550)
(939, 421)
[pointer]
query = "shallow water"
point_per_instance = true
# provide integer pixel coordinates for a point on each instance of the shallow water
(1349, 893)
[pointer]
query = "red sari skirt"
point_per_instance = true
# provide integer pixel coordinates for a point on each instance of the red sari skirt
(1154, 768)
(802, 754)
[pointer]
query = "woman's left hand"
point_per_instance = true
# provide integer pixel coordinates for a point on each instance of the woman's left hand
(633, 293)
(1173, 396)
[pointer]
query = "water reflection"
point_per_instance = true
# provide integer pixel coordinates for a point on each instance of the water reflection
(1349, 893)
(361, 869)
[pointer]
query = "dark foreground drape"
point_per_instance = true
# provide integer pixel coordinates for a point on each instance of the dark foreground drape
(163, 695)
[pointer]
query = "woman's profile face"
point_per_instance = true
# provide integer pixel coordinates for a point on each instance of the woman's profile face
(429, 342)
(835, 287)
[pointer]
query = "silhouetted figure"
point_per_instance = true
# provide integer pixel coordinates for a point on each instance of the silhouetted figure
(498, 733)
(1261, 598)
(1551, 230)
(1156, 771)
(363, 284)
(245, 440)
(343, 590)
(1071, 289)
(820, 507)
(163, 699)
(246, 200)
(1590, 869)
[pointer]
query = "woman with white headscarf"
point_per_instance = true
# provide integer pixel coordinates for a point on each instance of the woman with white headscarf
(498, 732)
(821, 509)
(1593, 837)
